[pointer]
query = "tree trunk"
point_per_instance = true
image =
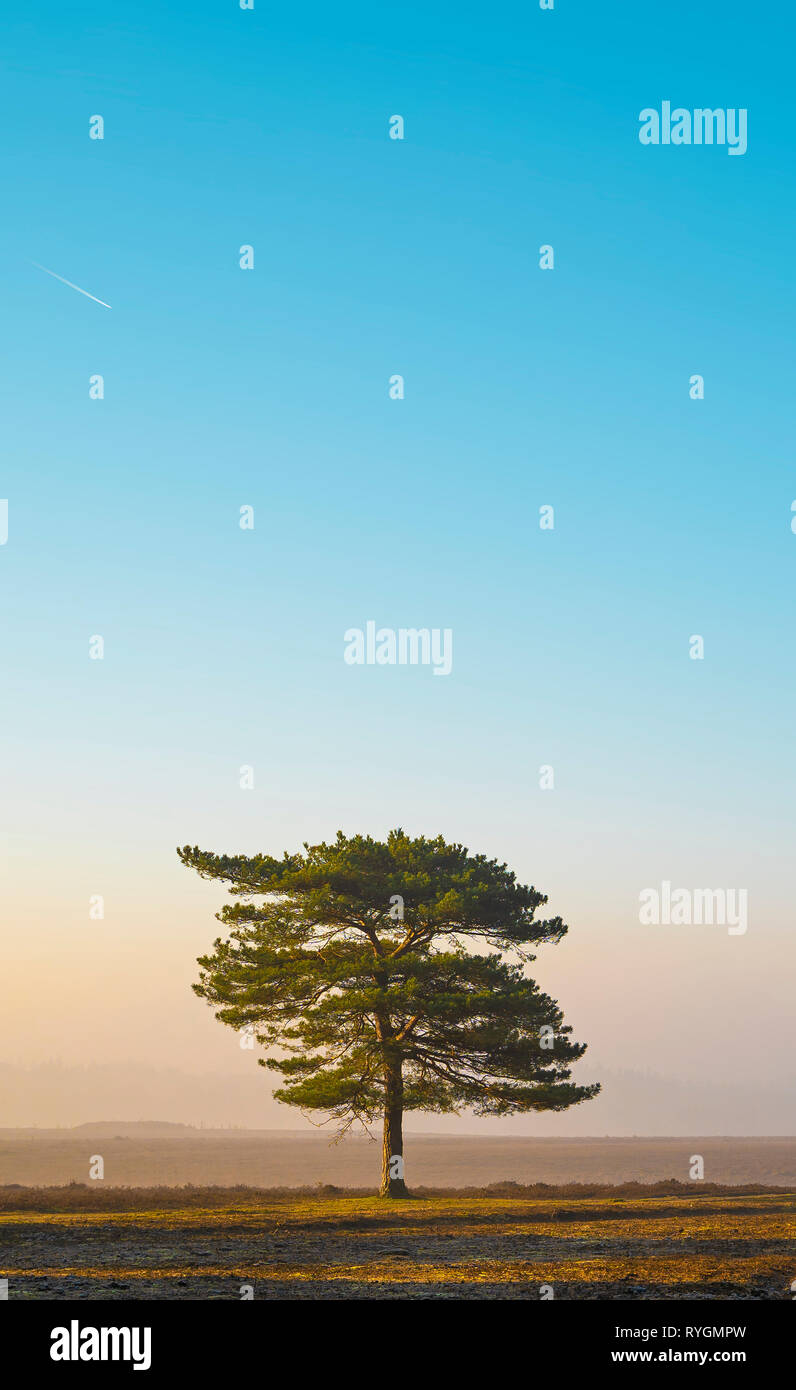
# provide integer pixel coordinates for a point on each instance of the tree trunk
(392, 1166)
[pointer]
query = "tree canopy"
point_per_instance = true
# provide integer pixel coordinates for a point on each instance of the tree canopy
(390, 976)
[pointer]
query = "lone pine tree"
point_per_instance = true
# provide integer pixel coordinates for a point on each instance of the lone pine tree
(352, 960)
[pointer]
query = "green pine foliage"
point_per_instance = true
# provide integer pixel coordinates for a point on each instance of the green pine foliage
(390, 977)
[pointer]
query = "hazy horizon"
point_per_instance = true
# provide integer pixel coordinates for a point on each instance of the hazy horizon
(52, 1095)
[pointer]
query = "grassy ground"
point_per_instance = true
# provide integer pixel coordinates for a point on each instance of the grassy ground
(84, 1243)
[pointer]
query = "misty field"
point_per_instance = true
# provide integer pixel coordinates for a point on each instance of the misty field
(147, 1154)
(213, 1243)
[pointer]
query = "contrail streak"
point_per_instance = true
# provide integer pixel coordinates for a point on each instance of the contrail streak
(71, 286)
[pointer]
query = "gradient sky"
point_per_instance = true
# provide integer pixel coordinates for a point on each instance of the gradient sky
(224, 647)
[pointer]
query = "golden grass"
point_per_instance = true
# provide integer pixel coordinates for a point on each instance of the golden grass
(373, 1213)
(579, 1241)
(690, 1269)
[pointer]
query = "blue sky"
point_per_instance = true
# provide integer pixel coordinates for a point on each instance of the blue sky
(523, 387)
